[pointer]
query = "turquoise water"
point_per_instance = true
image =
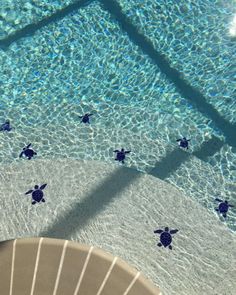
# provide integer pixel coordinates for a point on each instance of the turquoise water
(84, 62)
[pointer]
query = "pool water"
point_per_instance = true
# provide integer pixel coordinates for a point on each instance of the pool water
(150, 72)
(82, 63)
(96, 57)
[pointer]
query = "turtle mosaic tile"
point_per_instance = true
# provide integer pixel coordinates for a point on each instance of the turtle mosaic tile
(85, 118)
(37, 194)
(223, 207)
(27, 152)
(6, 126)
(120, 155)
(183, 142)
(165, 237)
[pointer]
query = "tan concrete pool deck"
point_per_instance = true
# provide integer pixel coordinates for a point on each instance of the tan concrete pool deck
(52, 266)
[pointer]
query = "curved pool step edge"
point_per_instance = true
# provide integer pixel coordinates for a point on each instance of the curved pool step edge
(56, 266)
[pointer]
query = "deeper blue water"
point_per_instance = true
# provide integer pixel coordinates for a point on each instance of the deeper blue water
(98, 59)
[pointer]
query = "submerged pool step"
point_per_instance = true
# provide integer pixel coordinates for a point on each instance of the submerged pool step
(118, 209)
(196, 178)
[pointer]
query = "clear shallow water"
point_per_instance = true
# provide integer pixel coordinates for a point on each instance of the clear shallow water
(15, 15)
(117, 208)
(85, 63)
(194, 36)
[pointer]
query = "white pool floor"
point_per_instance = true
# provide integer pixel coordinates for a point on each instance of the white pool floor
(117, 209)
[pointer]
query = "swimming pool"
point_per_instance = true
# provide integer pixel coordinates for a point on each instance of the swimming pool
(153, 74)
(80, 64)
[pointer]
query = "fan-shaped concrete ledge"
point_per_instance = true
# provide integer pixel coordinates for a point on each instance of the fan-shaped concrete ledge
(42, 266)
